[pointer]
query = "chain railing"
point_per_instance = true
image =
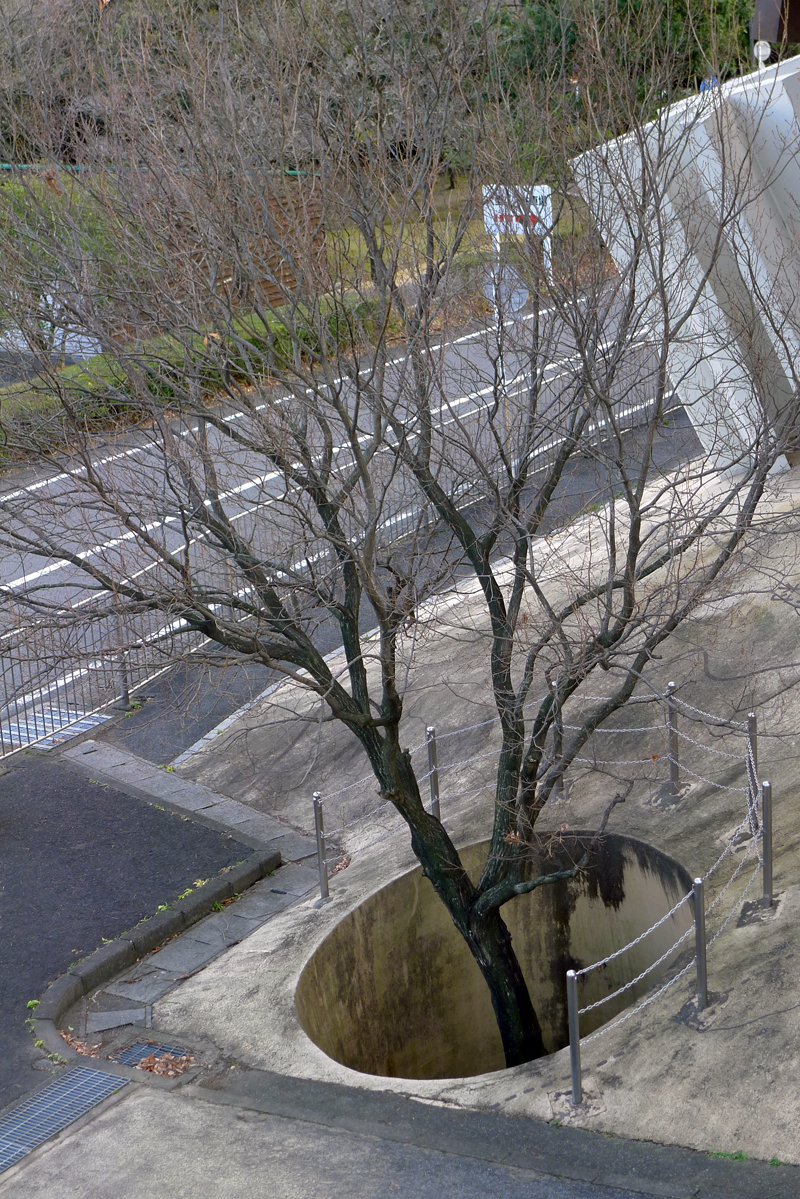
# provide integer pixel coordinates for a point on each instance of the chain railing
(753, 835)
(756, 826)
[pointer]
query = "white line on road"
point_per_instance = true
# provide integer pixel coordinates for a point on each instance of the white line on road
(31, 488)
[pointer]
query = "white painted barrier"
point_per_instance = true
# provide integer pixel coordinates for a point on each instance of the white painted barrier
(701, 211)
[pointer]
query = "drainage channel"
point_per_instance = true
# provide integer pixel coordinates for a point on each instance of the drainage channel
(50, 1110)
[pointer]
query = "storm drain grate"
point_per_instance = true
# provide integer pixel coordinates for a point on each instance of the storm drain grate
(52, 1109)
(143, 1049)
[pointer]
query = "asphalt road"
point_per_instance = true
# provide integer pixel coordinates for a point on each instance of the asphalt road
(188, 701)
(75, 670)
(79, 863)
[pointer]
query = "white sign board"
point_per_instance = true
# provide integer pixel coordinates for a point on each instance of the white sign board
(511, 211)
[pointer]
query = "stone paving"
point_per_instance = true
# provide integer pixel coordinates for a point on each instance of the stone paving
(157, 973)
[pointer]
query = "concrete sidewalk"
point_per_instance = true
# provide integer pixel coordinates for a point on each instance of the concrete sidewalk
(250, 1134)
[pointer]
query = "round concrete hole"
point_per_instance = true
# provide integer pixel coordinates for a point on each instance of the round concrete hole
(393, 990)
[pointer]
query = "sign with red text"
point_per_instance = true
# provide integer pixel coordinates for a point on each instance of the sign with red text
(513, 211)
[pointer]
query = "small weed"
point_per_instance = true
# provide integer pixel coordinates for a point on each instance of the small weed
(738, 1156)
(39, 1045)
(198, 882)
(159, 807)
(106, 940)
(217, 906)
(32, 1003)
(97, 783)
(774, 1161)
(555, 1123)
(164, 907)
(170, 769)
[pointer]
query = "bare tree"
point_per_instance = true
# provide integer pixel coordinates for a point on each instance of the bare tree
(323, 420)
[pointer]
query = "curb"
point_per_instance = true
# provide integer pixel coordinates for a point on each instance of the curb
(108, 961)
(164, 789)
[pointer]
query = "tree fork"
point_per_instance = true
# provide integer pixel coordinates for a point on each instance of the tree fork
(490, 944)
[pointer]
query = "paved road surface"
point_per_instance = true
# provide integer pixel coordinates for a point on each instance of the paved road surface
(78, 863)
(143, 485)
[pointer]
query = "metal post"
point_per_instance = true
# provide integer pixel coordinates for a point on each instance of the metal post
(122, 667)
(574, 1036)
(700, 943)
(322, 860)
(122, 676)
(672, 743)
(498, 269)
(498, 307)
(433, 768)
(752, 737)
(766, 846)
(752, 772)
(558, 743)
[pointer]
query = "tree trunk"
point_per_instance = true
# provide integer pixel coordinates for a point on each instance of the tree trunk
(487, 937)
(490, 943)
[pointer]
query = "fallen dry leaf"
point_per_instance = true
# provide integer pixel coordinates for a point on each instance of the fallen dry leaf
(168, 1065)
(80, 1046)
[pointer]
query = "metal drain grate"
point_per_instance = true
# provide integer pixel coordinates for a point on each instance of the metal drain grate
(143, 1049)
(52, 1109)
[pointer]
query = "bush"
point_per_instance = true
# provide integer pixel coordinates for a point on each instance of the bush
(112, 389)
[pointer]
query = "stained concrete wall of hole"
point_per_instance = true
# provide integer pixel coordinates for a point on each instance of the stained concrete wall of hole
(712, 190)
(394, 990)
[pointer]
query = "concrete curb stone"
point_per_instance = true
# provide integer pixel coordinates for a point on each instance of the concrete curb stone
(60, 995)
(202, 901)
(159, 928)
(102, 965)
(111, 958)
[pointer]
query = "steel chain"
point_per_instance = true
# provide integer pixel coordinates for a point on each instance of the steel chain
(641, 937)
(645, 1002)
(627, 986)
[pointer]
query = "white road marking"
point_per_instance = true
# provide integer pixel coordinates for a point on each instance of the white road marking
(134, 450)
